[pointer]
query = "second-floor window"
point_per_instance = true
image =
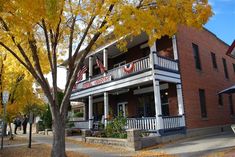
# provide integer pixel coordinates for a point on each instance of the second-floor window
(213, 59)
(202, 99)
(225, 68)
(196, 56)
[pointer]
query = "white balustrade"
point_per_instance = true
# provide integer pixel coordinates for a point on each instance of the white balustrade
(147, 123)
(166, 63)
(139, 66)
(173, 122)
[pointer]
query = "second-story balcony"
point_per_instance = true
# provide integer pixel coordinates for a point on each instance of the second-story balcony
(133, 68)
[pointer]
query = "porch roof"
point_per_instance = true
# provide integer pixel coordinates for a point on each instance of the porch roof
(229, 90)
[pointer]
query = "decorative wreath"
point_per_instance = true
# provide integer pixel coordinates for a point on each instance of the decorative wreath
(129, 67)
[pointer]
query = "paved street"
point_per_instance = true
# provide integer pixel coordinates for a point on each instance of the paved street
(200, 146)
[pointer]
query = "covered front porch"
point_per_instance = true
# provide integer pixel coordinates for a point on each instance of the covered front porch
(139, 104)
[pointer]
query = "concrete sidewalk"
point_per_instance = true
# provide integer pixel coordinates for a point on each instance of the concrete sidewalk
(200, 146)
(90, 151)
(192, 147)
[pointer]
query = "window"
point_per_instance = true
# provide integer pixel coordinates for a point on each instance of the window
(213, 59)
(220, 100)
(230, 100)
(196, 56)
(202, 98)
(233, 67)
(225, 68)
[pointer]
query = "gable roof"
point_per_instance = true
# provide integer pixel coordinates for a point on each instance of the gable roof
(231, 50)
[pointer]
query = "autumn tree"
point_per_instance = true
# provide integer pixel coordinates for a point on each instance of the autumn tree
(18, 81)
(32, 30)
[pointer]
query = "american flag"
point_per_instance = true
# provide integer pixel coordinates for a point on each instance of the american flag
(80, 73)
(100, 65)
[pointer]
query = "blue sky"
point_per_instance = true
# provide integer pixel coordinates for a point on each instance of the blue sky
(222, 24)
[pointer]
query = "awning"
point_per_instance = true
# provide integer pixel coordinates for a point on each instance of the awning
(229, 90)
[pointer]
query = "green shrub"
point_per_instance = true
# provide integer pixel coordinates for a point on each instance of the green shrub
(116, 128)
(78, 114)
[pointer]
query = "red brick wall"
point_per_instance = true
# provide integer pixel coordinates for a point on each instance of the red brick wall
(208, 78)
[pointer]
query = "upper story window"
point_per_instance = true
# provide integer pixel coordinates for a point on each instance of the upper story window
(213, 59)
(202, 98)
(225, 68)
(196, 56)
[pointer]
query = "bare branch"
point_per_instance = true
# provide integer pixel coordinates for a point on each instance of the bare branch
(78, 65)
(47, 42)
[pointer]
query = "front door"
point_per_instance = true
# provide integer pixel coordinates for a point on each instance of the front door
(122, 109)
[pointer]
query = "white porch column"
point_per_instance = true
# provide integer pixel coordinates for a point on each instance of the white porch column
(174, 44)
(180, 102)
(90, 66)
(153, 56)
(84, 111)
(105, 59)
(158, 106)
(106, 108)
(156, 88)
(91, 112)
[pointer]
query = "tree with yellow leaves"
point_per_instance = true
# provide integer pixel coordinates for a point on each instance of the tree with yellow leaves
(15, 79)
(39, 32)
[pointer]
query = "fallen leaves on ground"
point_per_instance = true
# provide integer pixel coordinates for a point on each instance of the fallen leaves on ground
(40, 150)
(151, 154)
(16, 140)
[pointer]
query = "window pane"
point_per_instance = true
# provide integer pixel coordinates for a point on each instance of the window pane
(225, 68)
(213, 58)
(202, 102)
(196, 56)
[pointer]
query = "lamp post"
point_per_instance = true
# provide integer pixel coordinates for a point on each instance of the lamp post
(5, 97)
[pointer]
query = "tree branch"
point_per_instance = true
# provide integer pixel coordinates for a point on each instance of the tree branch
(72, 81)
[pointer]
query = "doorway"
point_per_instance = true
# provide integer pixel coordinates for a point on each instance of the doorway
(122, 108)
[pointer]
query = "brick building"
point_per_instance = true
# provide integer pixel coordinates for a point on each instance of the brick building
(167, 88)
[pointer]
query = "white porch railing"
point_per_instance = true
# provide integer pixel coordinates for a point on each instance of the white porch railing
(139, 65)
(173, 122)
(166, 63)
(147, 123)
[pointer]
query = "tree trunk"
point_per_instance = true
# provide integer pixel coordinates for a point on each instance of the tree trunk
(58, 148)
